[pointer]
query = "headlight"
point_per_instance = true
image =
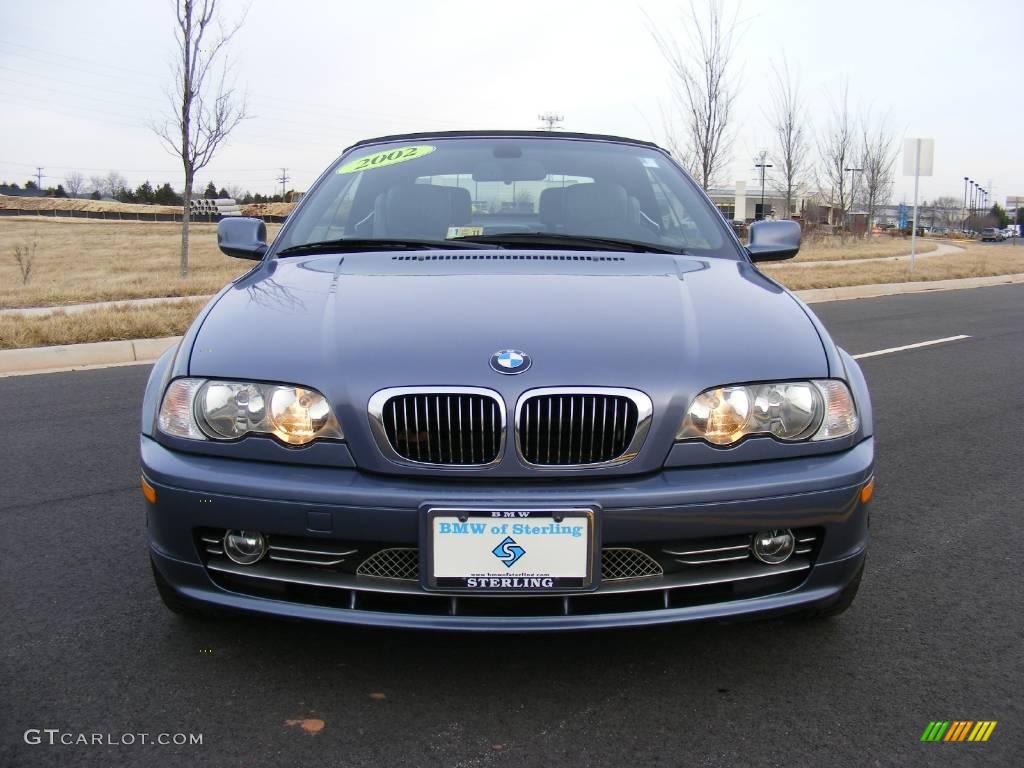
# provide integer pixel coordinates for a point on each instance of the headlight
(227, 410)
(789, 411)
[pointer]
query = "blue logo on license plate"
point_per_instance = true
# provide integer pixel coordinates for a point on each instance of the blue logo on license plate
(508, 552)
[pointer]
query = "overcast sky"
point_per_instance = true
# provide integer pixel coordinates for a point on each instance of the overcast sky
(80, 81)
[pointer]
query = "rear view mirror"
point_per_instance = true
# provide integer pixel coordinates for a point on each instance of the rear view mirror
(242, 238)
(509, 170)
(774, 240)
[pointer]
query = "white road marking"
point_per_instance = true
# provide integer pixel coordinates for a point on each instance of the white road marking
(889, 351)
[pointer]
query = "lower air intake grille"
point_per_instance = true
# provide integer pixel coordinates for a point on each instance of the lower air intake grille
(404, 563)
(620, 563)
(577, 428)
(399, 563)
(456, 427)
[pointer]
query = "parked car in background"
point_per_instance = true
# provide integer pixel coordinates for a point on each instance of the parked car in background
(991, 234)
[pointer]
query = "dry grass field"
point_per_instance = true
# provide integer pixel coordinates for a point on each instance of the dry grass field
(834, 249)
(78, 261)
(110, 324)
(80, 204)
(974, 261)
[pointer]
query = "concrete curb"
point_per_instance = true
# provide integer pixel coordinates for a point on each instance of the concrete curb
(71, 357)
(74, 309)
(819, 295)
(102, 354)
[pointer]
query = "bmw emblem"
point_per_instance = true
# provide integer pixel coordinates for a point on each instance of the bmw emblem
(510, 361)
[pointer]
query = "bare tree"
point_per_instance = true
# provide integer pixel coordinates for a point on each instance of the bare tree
(24, 257)
(108, 185)
(74, 182)
(676, 145)
(703, 97)
(205, 107)
(113, 184)
(837, 148)
(791, 150)
(948, 211)
(878, 165)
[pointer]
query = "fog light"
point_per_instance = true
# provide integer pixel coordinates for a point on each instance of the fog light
(245, 547)
(774, 547)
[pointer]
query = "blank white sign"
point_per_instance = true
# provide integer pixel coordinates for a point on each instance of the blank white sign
(911, 166)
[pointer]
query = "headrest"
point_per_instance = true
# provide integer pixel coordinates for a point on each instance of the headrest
(590, 205)
(462, 206)
(552, 206)
(420, 210)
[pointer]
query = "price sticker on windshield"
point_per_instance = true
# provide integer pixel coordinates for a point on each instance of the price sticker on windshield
(386, 157)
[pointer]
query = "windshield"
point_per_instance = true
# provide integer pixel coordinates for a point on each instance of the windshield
(450, 188)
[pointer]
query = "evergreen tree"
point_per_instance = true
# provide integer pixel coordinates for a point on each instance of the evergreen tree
(999, 214)
(210, 192)
(144, 192)
(166, 195)
(95, 195)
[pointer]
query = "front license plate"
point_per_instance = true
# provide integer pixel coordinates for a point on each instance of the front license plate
(509, 550)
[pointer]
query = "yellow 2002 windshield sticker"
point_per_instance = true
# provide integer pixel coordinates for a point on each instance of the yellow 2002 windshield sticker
(386, 157)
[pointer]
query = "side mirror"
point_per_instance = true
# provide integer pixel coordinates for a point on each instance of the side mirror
(242, 238)
(773, 240)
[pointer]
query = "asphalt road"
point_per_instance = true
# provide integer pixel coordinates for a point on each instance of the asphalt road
(936, 632)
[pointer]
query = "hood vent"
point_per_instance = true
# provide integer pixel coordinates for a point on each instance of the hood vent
(505, 257)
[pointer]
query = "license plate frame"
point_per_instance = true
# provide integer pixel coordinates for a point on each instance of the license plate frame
(499, 523)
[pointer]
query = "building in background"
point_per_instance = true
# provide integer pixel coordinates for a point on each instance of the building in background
(742, 203)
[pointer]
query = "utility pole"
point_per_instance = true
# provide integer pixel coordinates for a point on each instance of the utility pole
(39, 177)
(550, 120)
(283, 179)
(762, 165)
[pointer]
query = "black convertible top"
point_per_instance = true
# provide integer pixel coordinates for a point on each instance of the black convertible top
(478, 134)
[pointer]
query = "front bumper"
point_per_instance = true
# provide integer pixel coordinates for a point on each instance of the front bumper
(332, 506)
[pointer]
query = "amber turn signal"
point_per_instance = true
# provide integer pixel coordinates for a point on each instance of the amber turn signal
(148, 491)
(867, 491)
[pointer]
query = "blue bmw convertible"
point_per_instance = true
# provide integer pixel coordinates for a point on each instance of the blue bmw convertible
(506, 381)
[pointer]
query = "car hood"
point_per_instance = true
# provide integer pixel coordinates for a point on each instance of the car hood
(353, 324)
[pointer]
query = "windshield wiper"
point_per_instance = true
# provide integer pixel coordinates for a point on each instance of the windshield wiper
(557, 239)
(346, 244)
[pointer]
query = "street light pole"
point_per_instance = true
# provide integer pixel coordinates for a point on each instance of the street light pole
(762, 165)
(963, 221)
(970, 219)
